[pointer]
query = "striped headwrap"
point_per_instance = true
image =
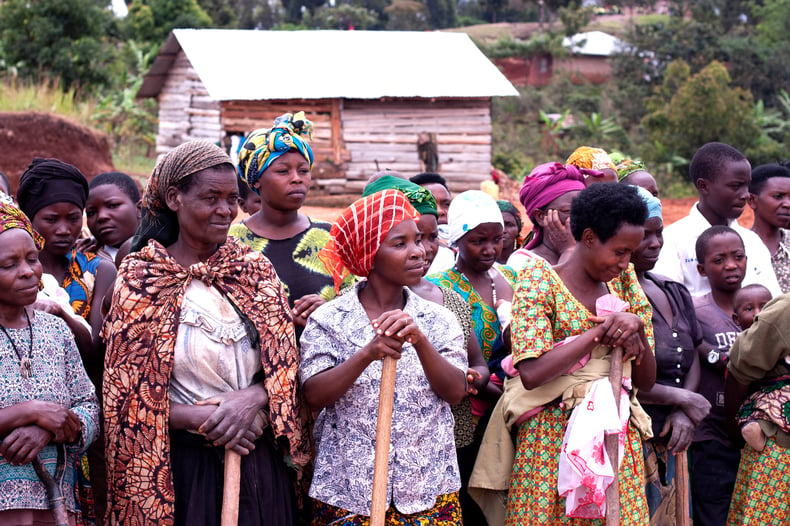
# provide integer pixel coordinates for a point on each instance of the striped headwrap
(261, 147)
(12, 217)
(158, 221)
(358, 233)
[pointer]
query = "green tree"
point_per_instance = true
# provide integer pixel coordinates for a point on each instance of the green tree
(689, 110)
(124, 117)
(258, 15)
(407, 15)
(574, 18)
(640, 67)
(222, 12)
(441, 12)
(773, 18)
(295, 9)
(152, 20)
(64, 39)
(344, 16)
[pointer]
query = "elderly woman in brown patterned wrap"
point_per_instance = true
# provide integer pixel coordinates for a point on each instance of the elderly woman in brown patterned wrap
(201, 357)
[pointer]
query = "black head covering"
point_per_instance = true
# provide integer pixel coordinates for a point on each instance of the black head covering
(50, 181)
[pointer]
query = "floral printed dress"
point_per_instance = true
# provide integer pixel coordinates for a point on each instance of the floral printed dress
(545, 312)
(422, 465)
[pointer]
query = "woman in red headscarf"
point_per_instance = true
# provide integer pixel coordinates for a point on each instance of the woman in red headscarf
(546, 194)
(342, 347)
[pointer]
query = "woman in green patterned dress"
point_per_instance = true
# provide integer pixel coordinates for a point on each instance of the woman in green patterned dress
(476, 228)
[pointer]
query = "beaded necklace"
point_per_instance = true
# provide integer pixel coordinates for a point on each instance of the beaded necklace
(25, 367)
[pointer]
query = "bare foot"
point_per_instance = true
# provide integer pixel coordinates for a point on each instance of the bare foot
(754, 436)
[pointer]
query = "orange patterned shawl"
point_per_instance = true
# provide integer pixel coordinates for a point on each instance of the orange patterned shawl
(140, 331)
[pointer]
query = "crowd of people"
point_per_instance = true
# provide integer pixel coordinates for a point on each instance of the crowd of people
(138, 353)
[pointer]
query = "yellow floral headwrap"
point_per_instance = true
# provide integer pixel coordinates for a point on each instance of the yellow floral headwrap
(591, 158)
(12, 217)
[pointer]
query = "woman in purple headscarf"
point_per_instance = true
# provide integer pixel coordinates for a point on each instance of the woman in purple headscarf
(546, 194)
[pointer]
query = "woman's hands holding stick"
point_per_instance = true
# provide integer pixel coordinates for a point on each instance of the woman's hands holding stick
(622, 329)
(238, 419)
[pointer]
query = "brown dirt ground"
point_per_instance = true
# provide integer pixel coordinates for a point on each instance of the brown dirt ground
(25, 135)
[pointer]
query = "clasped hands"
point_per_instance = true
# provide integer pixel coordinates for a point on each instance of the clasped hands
(622, 329)
(47, 422)
(234, 420)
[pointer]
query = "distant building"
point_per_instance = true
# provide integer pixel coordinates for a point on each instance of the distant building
(588, 61)
(370, 94)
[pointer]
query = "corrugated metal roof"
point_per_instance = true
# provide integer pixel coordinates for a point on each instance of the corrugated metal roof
(593, 43)
(260, 65)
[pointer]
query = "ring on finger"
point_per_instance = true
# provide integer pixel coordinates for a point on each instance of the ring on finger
(619, 331)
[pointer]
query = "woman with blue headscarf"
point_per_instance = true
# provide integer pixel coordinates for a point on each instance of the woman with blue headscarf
(673, 403)
(275, 163)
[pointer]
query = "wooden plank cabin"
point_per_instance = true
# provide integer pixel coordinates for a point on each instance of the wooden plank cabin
(370, 95)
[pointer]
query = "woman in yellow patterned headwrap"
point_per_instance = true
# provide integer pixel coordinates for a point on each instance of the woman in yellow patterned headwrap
(276, 163)
(594, 159)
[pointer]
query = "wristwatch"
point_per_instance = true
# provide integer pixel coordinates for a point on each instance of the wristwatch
(713, 356)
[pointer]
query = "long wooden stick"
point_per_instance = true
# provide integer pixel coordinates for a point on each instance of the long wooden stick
(57, 502)
(379, 505)
(230, 491)
(682, 490)
(612, 442)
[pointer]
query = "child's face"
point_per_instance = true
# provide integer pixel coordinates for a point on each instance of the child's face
(111, 215)
(725, 262)
(726, 193)
(250, 204)
(748, 304)
(772, 204)
(60, 225)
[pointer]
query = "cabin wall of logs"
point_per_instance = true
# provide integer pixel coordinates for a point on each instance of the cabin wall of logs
(186, 110)
(352, 138)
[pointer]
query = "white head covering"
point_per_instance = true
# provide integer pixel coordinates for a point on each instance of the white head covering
(469, 210)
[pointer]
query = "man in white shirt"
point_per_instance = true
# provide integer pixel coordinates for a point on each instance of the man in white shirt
(722, 175)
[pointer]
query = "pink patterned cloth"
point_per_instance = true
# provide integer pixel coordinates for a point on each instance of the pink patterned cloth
(585, 470)
(605, 305)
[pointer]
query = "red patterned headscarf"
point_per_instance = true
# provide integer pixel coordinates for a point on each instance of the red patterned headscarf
(12, 217)
(357, 235)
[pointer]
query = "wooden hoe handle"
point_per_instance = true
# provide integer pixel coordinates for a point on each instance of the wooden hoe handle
(378, 509)
(230, 492)
(612, 442)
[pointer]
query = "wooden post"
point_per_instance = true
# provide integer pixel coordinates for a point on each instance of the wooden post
(682, 489)
(230, 491)
(612, 442)
(378, 509)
